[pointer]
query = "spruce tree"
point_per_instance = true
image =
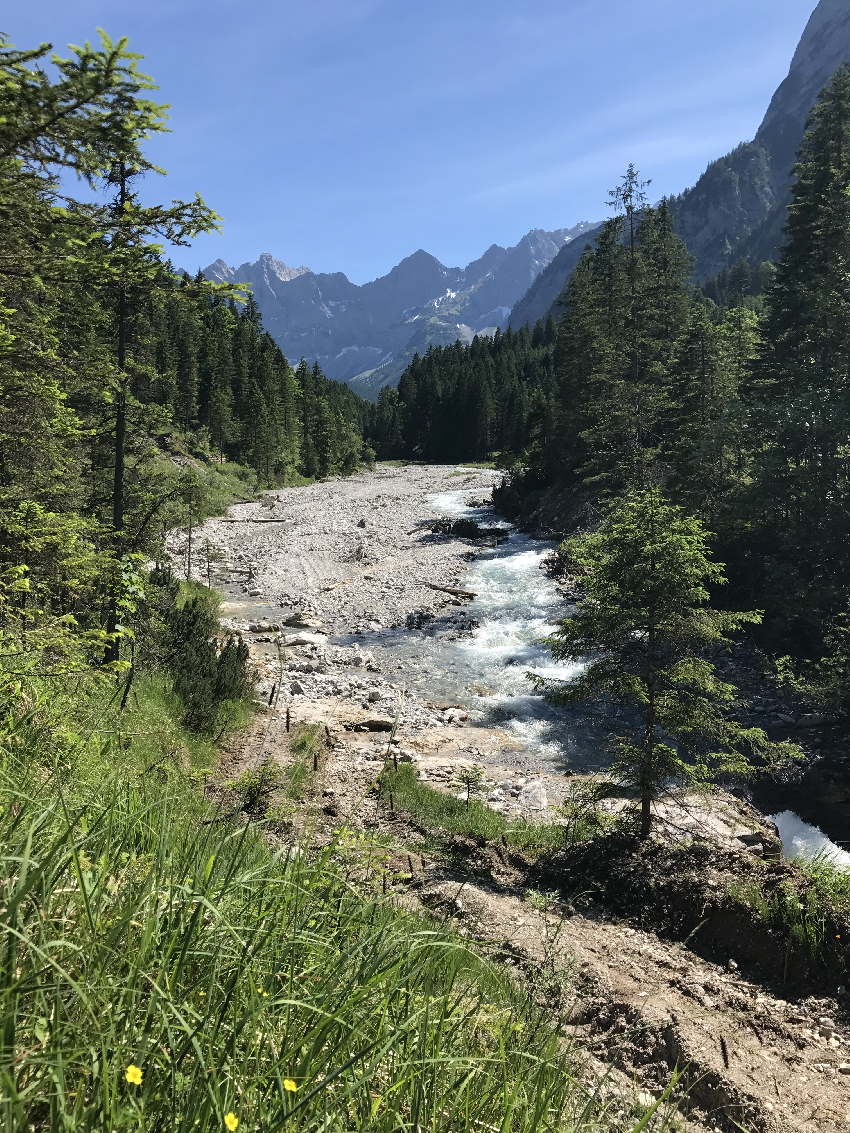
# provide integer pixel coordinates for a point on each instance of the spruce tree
(627, 308)
(802, 399)
(644, 621)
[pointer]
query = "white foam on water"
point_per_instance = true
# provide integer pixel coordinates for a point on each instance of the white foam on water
(802, 840)
(449, 503)
(517, 605)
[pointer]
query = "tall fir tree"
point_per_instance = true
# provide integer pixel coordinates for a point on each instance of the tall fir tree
(802, 399)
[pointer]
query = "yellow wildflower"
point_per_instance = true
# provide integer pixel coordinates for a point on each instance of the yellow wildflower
(288, 1084)
(133, 1074)
(231, 1121)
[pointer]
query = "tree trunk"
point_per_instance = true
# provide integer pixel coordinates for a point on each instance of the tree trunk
(647, 787)
(645, 812)
(113, 649)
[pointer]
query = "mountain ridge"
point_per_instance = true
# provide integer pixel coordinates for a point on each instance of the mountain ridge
(364, 334)
(737, 207)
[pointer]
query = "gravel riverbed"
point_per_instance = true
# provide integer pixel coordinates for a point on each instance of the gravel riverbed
(324, 581)
(321, 572)
(355, 553)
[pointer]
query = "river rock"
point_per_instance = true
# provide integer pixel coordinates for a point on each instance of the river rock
(304, 638)
(378, 724)
(533, 797)
(750, 838)
(302, 621)
(418, 619)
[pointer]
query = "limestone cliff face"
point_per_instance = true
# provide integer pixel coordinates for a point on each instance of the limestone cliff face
(737, 208)
(824, 47)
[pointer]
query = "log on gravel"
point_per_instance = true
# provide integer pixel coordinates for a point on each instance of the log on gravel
(453, 590)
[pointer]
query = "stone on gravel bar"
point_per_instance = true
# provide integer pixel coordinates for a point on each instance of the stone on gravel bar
(302, 621)
(302, 639)
(533, 797)
(378, 724)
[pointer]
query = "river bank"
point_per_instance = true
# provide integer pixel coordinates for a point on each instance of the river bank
(347, 599)
(333, 586)
(350, 577)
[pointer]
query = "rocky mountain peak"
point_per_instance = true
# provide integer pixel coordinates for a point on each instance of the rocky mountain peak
(219, 272)
(366, 334)
(420, 260)
(279, 269)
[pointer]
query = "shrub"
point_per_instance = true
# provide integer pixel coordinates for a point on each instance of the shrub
(208, 681)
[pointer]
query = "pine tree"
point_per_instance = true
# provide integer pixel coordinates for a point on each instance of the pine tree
(644, 620)
(802, 500)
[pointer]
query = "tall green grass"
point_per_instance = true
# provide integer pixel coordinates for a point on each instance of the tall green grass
(439, 811)
(162, 968)
(810, 909)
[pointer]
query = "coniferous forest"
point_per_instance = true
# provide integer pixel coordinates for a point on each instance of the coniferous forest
(125, 382)
(732, 397)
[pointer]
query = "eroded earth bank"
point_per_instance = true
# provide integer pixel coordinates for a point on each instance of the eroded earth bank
(358, 620)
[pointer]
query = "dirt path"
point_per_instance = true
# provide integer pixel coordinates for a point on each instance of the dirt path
(648, 1007)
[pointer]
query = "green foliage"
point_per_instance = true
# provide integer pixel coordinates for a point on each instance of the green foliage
(744, 283)
(472, 780)
(627, 307)
(805, 909)
(643, 619)
(255, 785)
(801, 496)
(192, 952)
(465, 402)
(162, 967)
(438, 811)
(121, 382)
(209, 680)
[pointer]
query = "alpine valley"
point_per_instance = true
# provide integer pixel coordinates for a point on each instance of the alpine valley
(424, 704)
(366, 335)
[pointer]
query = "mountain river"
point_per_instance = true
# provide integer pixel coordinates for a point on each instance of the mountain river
(516, 606)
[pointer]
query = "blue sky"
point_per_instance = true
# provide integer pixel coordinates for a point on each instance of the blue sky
(345, 134)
